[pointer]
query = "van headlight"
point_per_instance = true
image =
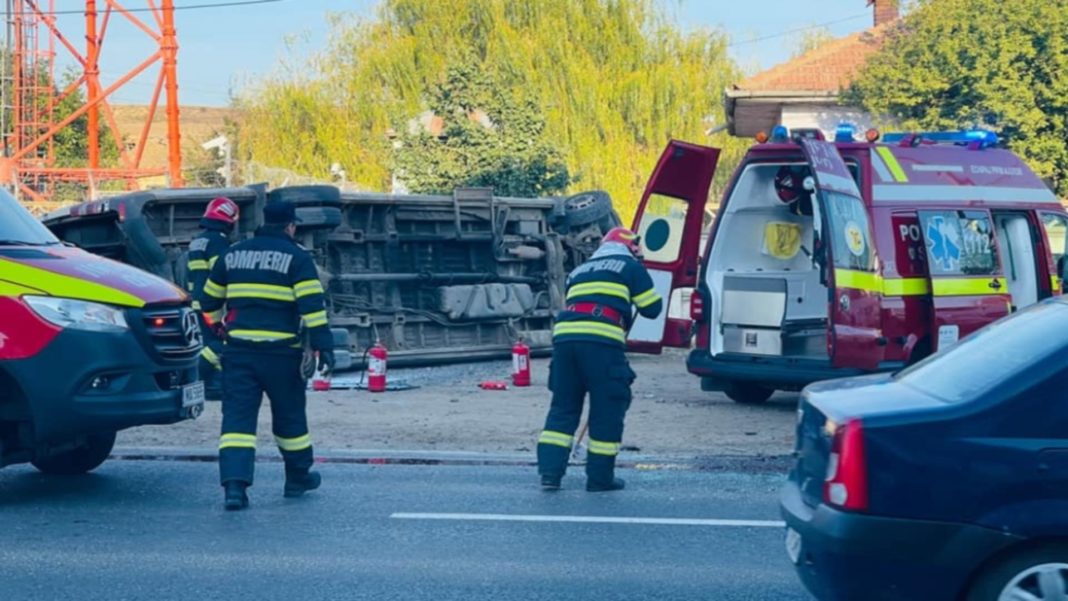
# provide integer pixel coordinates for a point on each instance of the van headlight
(77, 314)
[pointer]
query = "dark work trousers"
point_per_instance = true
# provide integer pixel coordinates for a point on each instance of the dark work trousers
(246, 376)
(211, 356)
(602, 371)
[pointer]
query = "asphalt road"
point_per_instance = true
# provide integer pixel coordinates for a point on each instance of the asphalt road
(155, 530)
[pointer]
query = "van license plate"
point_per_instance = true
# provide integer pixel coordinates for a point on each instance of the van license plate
(793, 545)
(193, 394)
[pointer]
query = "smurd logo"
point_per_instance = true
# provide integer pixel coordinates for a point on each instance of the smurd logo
(941, 246)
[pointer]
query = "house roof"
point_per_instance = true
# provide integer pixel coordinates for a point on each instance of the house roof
(828, 68)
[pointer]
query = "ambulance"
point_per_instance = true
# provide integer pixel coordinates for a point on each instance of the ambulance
(834, 258)
(88, 347)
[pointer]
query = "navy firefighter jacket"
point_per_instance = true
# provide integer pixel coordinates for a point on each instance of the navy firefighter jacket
(264, 289)
(612, 278)
(204, 250)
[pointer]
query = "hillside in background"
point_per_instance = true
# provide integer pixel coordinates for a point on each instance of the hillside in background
(198, 123)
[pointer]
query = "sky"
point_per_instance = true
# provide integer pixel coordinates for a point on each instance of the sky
(223, 48)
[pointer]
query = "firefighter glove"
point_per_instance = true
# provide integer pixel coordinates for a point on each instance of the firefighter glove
(326, 361)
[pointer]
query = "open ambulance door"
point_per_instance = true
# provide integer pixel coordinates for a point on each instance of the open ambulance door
(848, 262)
(968, 285)
(670, 220)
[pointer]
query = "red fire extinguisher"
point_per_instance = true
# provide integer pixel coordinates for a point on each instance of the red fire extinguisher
(376, 368)
(520, 364)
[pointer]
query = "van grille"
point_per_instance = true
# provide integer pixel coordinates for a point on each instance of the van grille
(173, 331)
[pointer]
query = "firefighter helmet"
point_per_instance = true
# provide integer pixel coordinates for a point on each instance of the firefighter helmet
(625, 237)
(222, 209)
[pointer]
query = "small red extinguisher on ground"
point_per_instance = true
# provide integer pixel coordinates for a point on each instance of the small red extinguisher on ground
(521, 364)
(376, 368)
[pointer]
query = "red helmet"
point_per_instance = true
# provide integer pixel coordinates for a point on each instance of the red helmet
(625, 237)
(222, 209)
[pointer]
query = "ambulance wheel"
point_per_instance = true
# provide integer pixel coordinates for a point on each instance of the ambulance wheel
(748, 393)
(79, 460)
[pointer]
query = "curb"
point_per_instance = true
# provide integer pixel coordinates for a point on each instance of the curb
(715, 463)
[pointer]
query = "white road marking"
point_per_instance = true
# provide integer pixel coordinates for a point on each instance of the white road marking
(588, 519)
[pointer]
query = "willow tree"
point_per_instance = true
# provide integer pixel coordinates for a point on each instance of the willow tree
(613, 81)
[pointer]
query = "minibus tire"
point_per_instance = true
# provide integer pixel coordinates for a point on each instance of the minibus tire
(748, 393)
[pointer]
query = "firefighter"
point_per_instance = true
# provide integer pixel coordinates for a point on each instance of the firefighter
(265, 290)
(589, 340)
(217, 225)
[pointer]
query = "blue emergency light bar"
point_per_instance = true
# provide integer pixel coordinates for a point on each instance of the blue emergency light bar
(983, 137)
(844, 133)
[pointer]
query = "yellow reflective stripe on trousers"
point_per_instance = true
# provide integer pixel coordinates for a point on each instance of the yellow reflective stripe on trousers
(67, 286)
(599, 447)
(307, 288)
(294, 444)
(260, 335)
(646, 298)
(315, 320)
(556, 438)
(210, 356)
(589, 328)
(605, 288)
(263, 291)
(969, 286)
(237, 441)
(214, 290)
(198, 265)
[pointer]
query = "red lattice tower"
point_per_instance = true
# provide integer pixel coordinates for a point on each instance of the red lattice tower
(29, 121)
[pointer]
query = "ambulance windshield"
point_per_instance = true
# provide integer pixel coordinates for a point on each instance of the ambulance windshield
(992, 355)
(18, 227)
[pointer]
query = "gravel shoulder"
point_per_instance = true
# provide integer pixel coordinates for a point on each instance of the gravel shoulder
(670, 416)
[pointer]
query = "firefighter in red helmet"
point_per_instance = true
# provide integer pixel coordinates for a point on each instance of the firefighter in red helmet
(216, 226)
(589, 340)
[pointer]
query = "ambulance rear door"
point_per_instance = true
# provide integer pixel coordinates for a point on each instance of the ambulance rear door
(848, 261)
(967, 284)
(670, 219)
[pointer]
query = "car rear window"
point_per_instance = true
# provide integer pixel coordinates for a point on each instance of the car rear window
(992, 355)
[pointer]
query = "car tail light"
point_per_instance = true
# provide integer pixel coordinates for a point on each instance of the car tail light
(846, 485)
(697, 306)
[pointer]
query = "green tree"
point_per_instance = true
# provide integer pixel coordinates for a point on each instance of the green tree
(963, 63)
(612, 82)
(488, 140)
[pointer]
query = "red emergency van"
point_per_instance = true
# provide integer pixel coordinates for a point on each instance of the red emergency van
(836, 258)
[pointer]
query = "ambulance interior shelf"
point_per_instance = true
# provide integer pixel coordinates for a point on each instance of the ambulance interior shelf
(773, 282)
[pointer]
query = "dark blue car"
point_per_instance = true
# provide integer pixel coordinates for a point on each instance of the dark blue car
(945, 481)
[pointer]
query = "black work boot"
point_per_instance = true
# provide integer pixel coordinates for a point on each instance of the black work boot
(550, 483)
(235, 498)
(615, 484)
(600, 473)
(299, 482)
